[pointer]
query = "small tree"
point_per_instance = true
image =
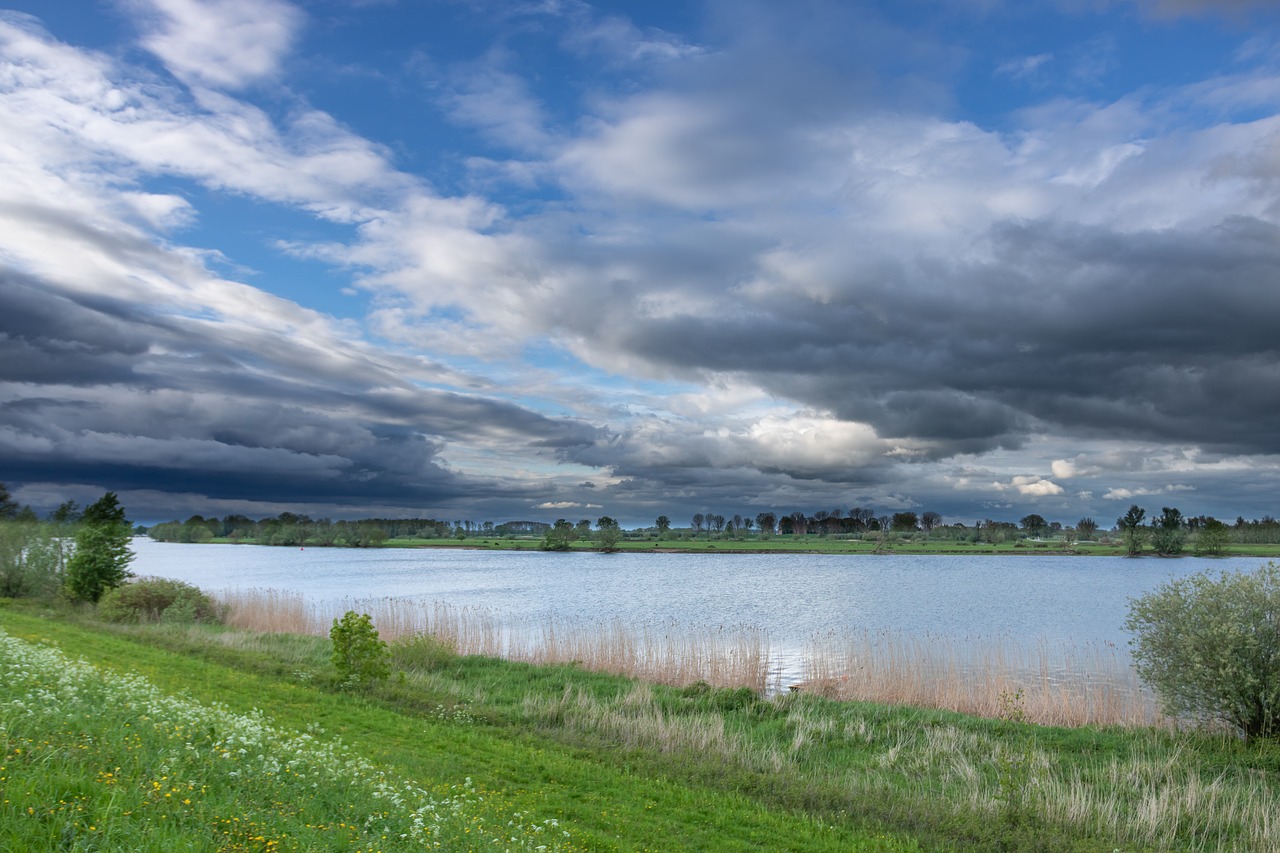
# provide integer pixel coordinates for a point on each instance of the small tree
(102, 555)
(1086, 527)
(1211, 648)
(359, 654)
(608, 534)
(559, 536)
(1167, 535)
(1211, 539)
(1131, 528)
(663, 524)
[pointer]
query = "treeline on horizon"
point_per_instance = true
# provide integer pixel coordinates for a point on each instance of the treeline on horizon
(1167, 531)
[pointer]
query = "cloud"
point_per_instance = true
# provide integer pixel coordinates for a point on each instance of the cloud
(223, 44)
(565, 505)
(1120, 494)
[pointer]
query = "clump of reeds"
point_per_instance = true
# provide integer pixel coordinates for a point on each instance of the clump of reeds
(666, 653)
(1069, 685)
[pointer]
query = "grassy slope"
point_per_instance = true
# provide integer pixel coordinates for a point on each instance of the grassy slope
(632, 767)
(597, 794)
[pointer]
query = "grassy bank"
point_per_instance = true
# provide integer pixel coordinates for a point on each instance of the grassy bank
(622, 765)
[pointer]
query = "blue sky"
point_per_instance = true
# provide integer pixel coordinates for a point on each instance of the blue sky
(508, 260)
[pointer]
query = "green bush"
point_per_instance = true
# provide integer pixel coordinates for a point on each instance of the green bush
(359, 655)
(157, 600)
(1211, 648)
(423, 652)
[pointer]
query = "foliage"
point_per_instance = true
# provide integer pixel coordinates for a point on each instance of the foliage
(608, 534)
(8, 506)
(1211, 648)
(423, 652)
(102, 556)
(560, 537)
(1034, 525)
(1167, 534)
(157, 600)
(1211, 539)
(905, 522)
(32, 560)
(663, 524)
(359, 654)
(1131, 528)
(1086, 527)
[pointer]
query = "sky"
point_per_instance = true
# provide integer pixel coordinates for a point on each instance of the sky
(532, 259)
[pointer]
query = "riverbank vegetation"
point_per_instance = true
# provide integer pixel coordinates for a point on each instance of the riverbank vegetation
(858, 531)
(616, 763)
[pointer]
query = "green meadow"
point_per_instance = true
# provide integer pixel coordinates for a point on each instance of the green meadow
(172, 737)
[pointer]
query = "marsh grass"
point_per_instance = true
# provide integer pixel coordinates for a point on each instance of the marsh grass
(1068, 685)
(667, 653)
(1065, 685)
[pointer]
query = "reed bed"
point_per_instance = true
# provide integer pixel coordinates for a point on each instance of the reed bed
(662, 653)
(1064, 686)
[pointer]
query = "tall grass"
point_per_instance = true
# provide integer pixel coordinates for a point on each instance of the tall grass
(1066, 686)
(665, 653)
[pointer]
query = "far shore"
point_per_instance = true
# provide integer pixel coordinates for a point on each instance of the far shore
(807, 545)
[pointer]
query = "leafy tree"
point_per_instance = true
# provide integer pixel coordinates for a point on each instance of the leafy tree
(930, 520)
(663, 524)
(608, 534)
(905, 522)
(559, 537)
(698, 519)
(68, 512)
(8, 506)
(102, 557)
(1086, 527)
(766, 521)
(1211, 539)
(359, 654)
(1211, 648)
(32, 560)
(1131, 528)
(1167, 533)
(1034, 525)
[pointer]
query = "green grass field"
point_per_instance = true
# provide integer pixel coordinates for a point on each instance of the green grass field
(94, 759)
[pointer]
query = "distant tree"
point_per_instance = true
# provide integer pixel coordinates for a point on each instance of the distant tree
(68, 512)
(608, 534)
(8, 506)
(930, 520)
(799, 523)
(559, 537)
(1086, 527)
(698, 519)
(786, 526)
(747, 524)
(1131, 529)
(1211, 538)
(767, 522)
(716, 522)
(583, 529)
(1034, 525)
(737, 521)
(663, 524)
(1167, 534)
(905, 522)
(102, 556)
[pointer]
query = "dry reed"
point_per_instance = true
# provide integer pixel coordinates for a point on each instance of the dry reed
(667, 653)
(1069, 686)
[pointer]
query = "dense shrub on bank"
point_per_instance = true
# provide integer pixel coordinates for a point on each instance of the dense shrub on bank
(157, 600)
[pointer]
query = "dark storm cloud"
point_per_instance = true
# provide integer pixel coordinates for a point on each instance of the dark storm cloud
(140, 399)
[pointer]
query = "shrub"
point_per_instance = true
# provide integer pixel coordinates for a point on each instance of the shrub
(157, 600)
(1211, 648)
(423, 652)
(359, 655)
